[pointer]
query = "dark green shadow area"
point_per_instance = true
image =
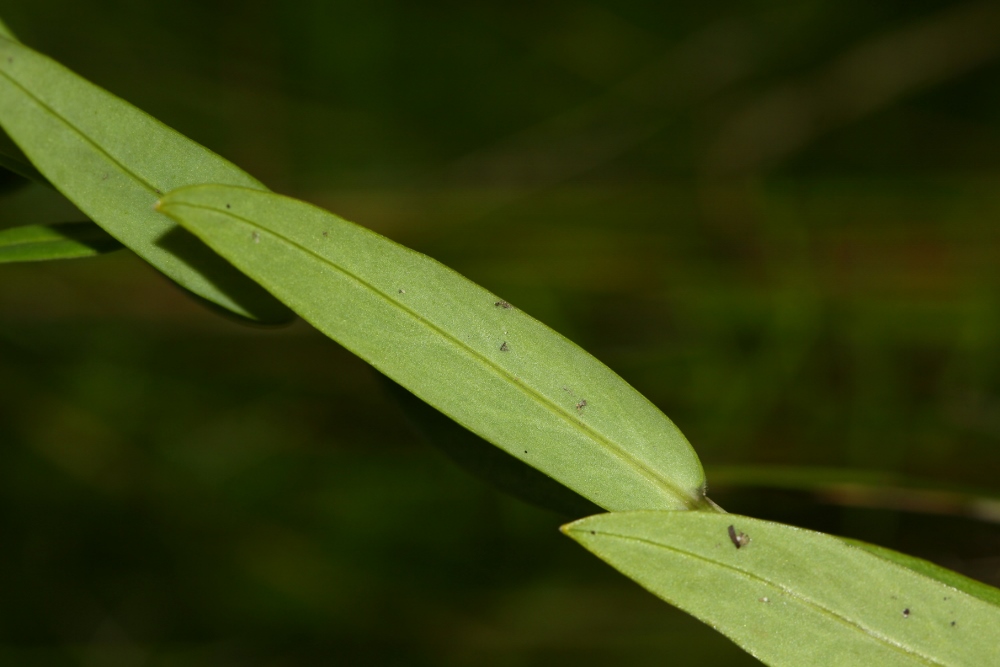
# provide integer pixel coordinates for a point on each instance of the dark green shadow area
(487, 461)
(258, 302)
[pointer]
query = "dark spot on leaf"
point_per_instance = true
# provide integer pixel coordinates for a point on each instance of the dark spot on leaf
(326, 234)
(906, 613)
(593, 532)
(502, 304)
(402, 291)
(228, 206)
(738, 538)
(953, 624)
(159, 192)
(504, 348)
(581, 405)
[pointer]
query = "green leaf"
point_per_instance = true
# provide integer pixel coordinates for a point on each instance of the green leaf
(32, 243)
(954, 579)
(795, 597)
(481, 361)
(113, 161)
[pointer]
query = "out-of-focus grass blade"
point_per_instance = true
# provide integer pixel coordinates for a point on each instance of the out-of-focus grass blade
(865, 488)
(481, 361)
(113, 161)
(67, 240)
(791, 596)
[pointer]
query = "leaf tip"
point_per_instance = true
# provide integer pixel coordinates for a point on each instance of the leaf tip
(577, 529)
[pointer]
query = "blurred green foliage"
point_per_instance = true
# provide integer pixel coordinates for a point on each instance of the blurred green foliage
(778, 220)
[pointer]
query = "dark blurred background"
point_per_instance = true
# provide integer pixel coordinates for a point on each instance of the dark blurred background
(778, 220)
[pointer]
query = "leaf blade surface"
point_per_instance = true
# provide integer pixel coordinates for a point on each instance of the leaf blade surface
(792, 596)
(113, 161)
(486, 364)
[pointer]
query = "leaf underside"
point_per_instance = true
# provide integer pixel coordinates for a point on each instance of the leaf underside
(795, 597)
(67, 240)
(113, 161)
(468, 353)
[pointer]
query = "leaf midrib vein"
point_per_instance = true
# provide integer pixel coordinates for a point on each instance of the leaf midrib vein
(81, 133)
(641, 467)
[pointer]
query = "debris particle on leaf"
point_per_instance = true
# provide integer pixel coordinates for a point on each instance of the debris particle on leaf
(502, 304)
(255, 236)
(504, 348)
(906, 613)
(581, 405)
(739, 538)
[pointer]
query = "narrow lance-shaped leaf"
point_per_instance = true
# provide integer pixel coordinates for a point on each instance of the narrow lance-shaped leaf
(67, 240)
(475, 357)
(113, 161)
(795, 597)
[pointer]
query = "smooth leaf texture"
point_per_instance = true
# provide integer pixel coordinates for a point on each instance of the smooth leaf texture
(486, 364)
(113, 161)
(795, 597)
(951, 578)
(67, 240)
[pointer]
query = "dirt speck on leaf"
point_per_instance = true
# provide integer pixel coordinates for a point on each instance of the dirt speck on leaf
(581, 405)
(502, 304)
(504, 347)
(906, 613)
